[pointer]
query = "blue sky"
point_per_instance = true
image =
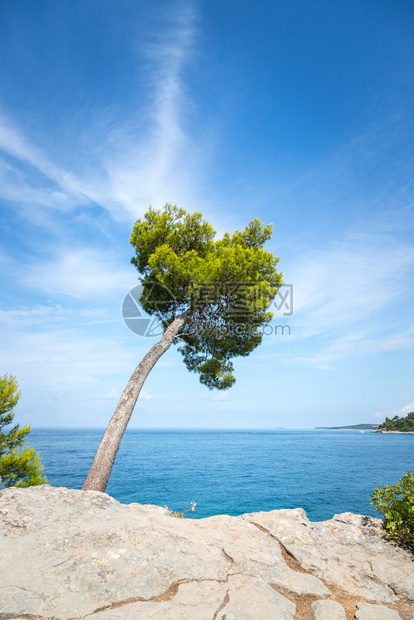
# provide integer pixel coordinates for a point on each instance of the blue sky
(300, 113)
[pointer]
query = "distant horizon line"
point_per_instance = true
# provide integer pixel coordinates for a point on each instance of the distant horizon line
(188, 428)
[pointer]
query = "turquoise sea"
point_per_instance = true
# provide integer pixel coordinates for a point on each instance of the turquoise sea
(236, 471)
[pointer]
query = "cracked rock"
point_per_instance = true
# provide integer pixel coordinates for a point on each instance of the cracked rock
(347, 551)
(376, 612)
(68, 554)
(253, 598)
(243, 598)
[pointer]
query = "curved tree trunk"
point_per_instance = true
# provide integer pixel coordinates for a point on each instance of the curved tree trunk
(100, 471)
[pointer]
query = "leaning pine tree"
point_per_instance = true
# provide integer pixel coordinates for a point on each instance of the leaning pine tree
(211, 297)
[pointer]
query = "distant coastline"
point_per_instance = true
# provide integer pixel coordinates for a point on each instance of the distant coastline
(364, 427)
(383, 432)
(355, 427)
(403, 426)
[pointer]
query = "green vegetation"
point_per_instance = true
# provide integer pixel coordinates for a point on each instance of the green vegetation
(403, 425)
(19, 464)
(225, 286)
(396, 504)
(211, 297)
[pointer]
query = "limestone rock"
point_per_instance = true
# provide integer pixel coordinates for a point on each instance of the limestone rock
(328, 610)
(347, 551)
(376, 612)
(71, 554)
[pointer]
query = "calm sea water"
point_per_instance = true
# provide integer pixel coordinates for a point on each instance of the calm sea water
(232, 472)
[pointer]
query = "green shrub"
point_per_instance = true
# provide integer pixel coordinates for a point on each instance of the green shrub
(396, 504)
(20, 466)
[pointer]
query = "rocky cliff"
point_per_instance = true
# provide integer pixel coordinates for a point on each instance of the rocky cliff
(75, 554)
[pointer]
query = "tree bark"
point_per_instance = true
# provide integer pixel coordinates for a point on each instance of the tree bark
(98, 476)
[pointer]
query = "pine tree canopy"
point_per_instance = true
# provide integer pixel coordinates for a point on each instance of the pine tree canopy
(224, 286)
(19, 464)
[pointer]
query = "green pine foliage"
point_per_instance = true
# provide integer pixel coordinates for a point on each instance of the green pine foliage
(20, 466)
(396, 504)
(226, 285)
(403, 425)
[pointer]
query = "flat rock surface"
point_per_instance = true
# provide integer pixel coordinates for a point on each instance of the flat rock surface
(328, 610)
(67, 554)
(366, 611)
(347, 551)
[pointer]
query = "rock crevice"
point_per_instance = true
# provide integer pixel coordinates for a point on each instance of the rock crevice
(70, 555)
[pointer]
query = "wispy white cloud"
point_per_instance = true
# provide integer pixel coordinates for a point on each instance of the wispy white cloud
(68, 374)
(350, 281)
(325, 357)
(400, 412)
(136, 161)
(350, 298)
(111, 395)
(23, 317)
(82, 273)
(71, 356)
(145, 395)
(17, 184)
(160, 165)
(64, 373)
